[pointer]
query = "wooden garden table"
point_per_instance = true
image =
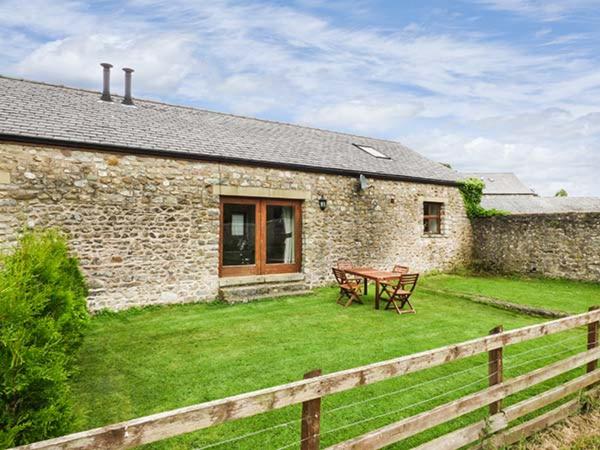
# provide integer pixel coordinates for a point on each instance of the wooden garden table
(378, 276)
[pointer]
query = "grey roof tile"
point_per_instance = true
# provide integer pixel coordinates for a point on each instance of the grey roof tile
(38, 110)
(500, 183)
(529, 204)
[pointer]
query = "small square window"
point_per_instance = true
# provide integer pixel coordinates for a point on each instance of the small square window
(432, 217)
(371, 151)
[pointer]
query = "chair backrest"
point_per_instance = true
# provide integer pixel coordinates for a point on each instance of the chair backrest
(408, 279)
(340, 276)
(344, 264)
(400, 269)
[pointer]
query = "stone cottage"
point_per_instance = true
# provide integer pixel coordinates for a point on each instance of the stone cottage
(169, 204)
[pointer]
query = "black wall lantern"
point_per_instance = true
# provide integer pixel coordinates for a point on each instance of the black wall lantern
(322, 203)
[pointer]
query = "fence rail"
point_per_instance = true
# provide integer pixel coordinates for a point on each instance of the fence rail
(313, 387)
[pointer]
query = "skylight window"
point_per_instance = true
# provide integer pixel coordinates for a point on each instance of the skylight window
(371, 151)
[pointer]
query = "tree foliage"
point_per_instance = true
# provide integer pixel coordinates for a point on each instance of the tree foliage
(42, 317)
(472, 191)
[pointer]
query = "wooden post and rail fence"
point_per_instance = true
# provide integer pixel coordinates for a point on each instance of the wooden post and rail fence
(309, 391)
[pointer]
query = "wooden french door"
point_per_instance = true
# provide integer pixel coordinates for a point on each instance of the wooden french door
(259, 236)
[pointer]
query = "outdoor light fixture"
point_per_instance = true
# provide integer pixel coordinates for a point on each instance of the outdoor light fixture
(322, 203)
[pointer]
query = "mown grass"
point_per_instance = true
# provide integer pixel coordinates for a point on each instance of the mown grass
(142, 362)
(562, 295)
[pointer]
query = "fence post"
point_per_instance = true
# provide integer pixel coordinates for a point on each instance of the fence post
(495, 369)
(592, 339)
(311, 419)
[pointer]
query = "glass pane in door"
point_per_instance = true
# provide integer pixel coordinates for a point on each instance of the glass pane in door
(239, 231)
(280, 235)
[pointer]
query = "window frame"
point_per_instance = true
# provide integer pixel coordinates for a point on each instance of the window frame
(370, 150)
(438, 217)
(260, 267)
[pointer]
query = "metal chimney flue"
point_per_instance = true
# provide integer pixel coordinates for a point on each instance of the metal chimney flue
(127, 100)
(106, 82)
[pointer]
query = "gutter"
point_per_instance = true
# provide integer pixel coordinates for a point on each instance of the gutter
(522, 194)
(213, 158)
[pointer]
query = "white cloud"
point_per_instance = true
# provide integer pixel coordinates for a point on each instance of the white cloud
(161, 63)
(55, 18)
(365, 116)
(284, 51)
(545, 10)
(288, 63)
(548, 149)
(569, 39)
(543, 32)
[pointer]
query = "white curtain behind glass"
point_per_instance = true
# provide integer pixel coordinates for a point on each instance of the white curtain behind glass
(288, 225)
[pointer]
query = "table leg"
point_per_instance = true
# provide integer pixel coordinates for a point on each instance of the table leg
(366, 286)
(376, 294)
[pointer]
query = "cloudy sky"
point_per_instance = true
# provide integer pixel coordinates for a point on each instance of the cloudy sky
(485, 85)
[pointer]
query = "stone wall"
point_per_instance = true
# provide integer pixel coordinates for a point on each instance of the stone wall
(146, 228)
(565, 245)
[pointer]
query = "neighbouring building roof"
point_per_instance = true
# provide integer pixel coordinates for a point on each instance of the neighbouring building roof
(32, 111)
(530, 204)
(500, 183)
(506, 192)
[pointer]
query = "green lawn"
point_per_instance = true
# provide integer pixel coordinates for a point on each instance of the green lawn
(562, 295)
(142, 362)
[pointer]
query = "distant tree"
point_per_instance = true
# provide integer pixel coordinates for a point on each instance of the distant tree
(561, 193)
(447, 165)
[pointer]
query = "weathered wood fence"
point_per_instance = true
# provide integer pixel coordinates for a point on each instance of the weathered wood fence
(315, 386)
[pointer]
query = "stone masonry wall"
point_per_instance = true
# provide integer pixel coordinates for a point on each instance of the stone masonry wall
(146, 229)
(553, 245)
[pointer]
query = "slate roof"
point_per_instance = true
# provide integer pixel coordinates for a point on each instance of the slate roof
(32, 110)
(500, 183)
(530, 204)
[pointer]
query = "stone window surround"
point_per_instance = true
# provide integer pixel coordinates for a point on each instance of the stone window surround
(258, 192)
(443, 226)
(261, 266)
(243, 191)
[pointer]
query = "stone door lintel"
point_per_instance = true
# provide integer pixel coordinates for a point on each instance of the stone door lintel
(247, 191)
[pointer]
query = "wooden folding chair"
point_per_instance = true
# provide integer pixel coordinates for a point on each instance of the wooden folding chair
(388, 287)
(348, 288)
(402, 292)
(346, 264)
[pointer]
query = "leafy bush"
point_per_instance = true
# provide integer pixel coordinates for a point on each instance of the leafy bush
(42, 319)
(472, 191)
(561, 193)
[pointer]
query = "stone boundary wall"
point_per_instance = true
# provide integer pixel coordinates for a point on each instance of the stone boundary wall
(564, 245)
(146, 229)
